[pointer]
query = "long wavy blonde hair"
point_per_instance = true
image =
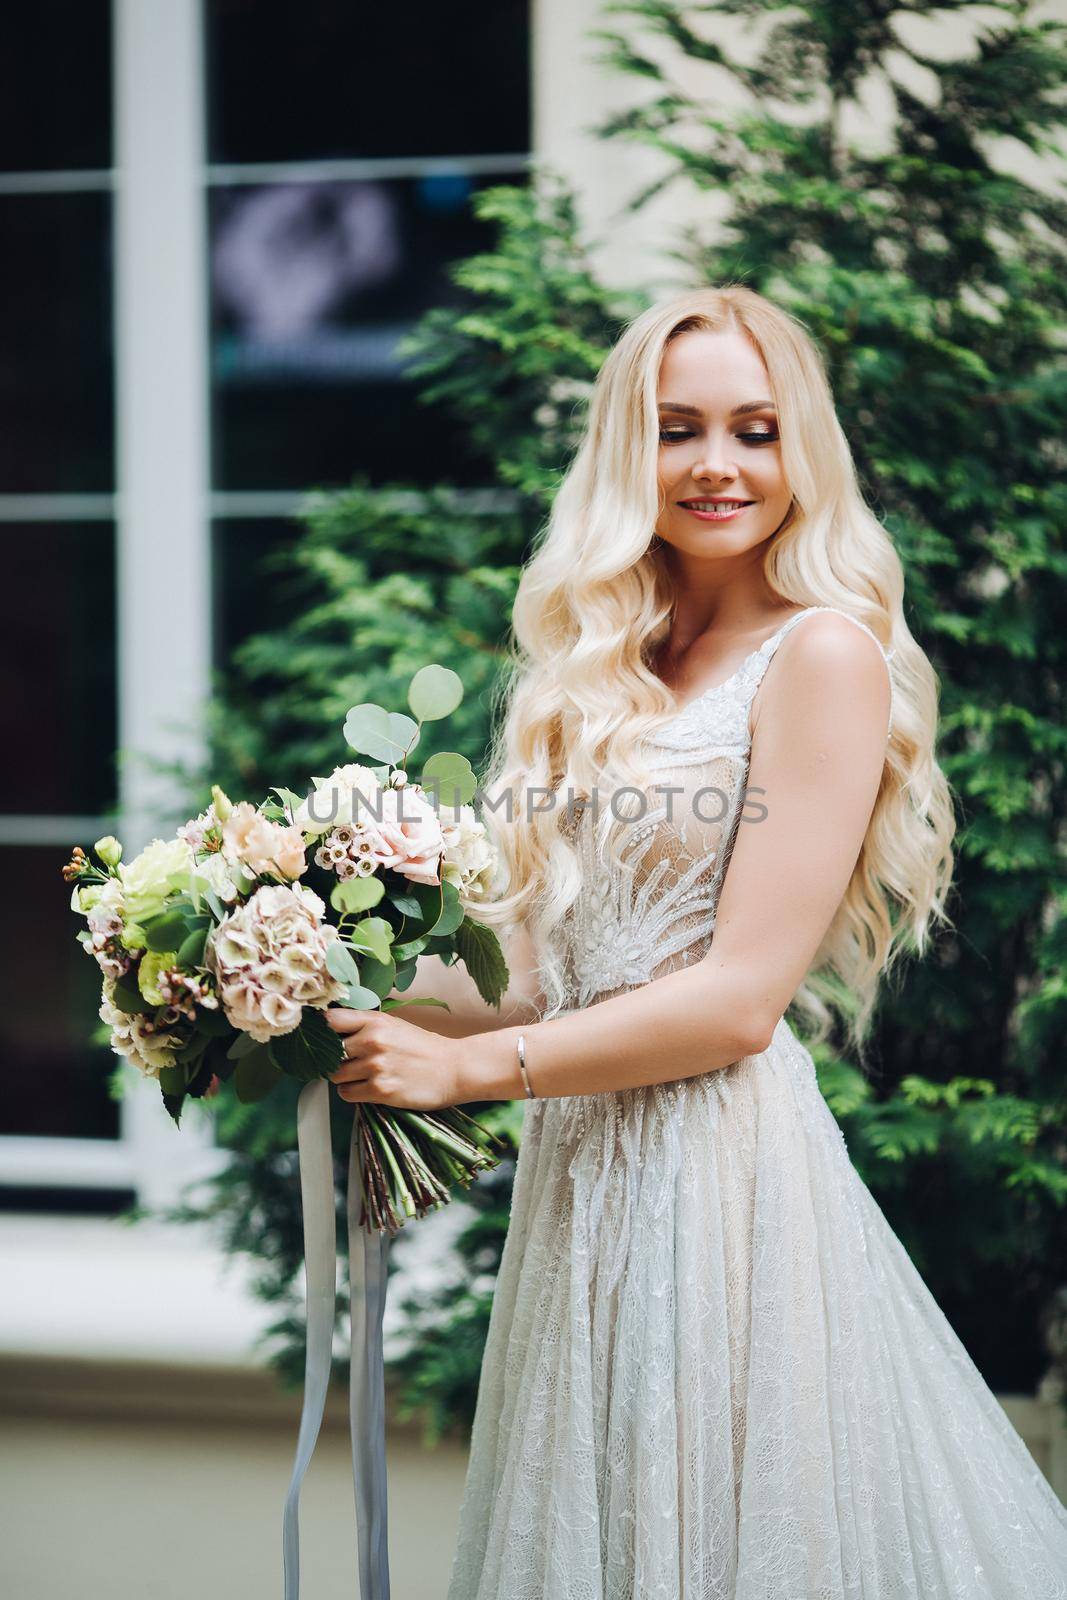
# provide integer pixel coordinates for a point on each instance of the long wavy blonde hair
(595, 602)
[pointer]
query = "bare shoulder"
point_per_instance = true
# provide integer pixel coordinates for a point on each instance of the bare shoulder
(826, 669)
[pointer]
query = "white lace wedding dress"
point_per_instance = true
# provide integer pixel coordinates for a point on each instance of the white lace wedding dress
(712, 1371)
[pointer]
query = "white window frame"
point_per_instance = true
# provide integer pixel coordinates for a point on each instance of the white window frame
(163, 507)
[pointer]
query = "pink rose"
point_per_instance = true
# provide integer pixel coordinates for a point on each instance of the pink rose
(408, 838)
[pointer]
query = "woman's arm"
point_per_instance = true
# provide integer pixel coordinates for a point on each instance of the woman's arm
(818, 753)
(468, 1012)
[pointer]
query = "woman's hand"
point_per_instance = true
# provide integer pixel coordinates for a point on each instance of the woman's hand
(393, 1062)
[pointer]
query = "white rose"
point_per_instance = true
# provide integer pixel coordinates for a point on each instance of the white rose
(349, 795)
(469, 857)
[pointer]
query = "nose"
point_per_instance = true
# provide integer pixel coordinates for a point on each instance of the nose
(714, 461)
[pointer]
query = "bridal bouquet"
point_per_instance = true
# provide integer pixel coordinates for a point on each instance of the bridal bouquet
(221, 948)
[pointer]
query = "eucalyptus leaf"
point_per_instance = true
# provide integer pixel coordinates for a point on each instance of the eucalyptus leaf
(434, 692)
(378, 976)
(386, 735)
(357, 894)
(452, 912)
(361, 999)
(405, 903)
(375, 936)
(340, 962)
(450, 778)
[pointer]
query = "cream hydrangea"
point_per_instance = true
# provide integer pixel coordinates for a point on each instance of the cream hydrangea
(348, 795)
(469, 858)
(269, 959)
(147, 1046)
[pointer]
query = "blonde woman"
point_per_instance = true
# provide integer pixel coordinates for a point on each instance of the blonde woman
(712, 1371)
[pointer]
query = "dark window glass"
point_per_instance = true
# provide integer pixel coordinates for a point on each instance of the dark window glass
(55, 86)
(57, 659)
(56, 395)
(56, 1079)
(249, 598)
(330, 79)
(313, 284)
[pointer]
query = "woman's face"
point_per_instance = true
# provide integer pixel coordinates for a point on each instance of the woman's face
(718, 442)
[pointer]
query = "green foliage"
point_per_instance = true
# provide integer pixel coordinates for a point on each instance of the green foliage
(932, 276)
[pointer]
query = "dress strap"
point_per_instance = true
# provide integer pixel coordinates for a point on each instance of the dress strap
(769, 646)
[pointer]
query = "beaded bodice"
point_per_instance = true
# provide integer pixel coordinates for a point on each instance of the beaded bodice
(649, 906)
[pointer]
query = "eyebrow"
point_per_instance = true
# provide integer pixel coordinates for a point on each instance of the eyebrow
(738, 411)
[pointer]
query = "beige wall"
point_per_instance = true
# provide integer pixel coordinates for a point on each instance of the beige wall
(571, 94)
(140, 1482)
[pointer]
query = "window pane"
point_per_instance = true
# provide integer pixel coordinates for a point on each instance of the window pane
(332, 79)
(55, 1078)
(55, 86)
(57, 649)
(56, 396)
(248, 598)
(313, 284)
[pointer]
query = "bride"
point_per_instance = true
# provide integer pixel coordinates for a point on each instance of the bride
(712, 1371)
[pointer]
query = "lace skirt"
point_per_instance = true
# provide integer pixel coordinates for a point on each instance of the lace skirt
(713, 1373)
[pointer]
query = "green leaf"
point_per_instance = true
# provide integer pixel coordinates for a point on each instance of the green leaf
(377, 976)
(357, 894)
(340, 963)
(256, 1075)
(165, 932)
(450, 778)
(483, 957)
(215, 1024)
(375, 936)
(362, 999)
(173, 1106)
(407, 904)
(191, 949)
(424, 1000)
(243, 1045)
(310, 1051)
(289, 799)
(410, 950)
(172, 1080)
(452, 912)
(435, 692)
(129, 998)
(386, 735)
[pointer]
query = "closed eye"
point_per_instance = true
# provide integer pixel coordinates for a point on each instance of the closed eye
(673, 435)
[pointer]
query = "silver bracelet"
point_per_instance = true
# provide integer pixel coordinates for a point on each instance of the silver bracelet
(520, 1045)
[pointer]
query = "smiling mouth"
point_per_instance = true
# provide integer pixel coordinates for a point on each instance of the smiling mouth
(715, 510)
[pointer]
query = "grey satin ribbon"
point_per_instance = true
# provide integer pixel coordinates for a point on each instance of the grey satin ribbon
(368, 1265)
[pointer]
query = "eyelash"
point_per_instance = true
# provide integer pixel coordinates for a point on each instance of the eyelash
(672, 436)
